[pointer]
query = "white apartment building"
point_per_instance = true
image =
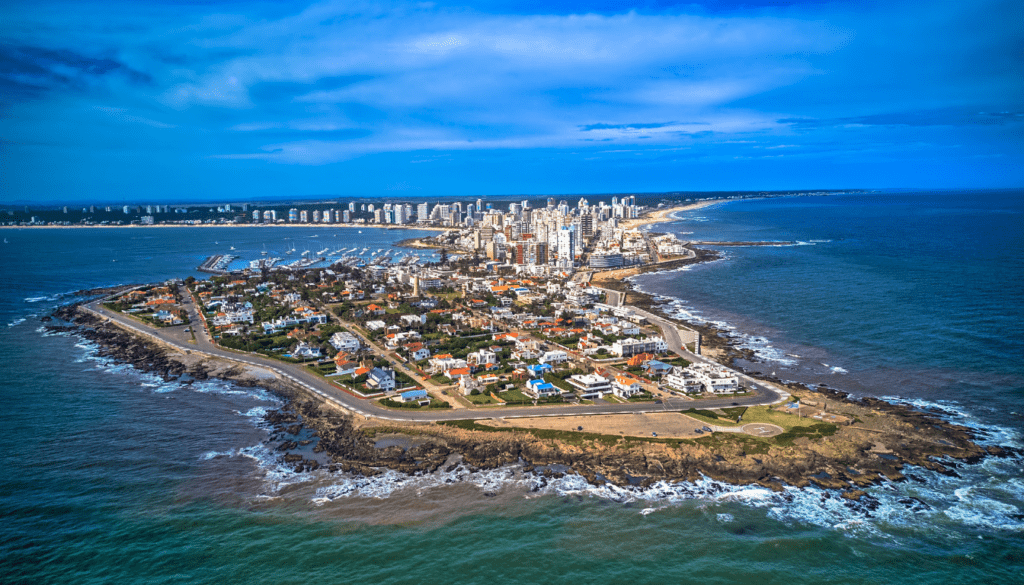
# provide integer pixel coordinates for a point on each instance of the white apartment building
(631, 347)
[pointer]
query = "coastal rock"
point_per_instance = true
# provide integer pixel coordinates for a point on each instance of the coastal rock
(913, 437)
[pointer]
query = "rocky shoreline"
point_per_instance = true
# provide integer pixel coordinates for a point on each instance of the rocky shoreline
(884, 439)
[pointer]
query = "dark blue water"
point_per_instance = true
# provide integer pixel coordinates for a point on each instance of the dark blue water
(111, 475)
(919, 295)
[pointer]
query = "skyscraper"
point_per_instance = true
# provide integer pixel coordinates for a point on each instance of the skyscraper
(566, 246)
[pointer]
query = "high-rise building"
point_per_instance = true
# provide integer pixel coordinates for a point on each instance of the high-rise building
(587, 225)
(304, 216)
(422, 212)
(255, 214)
(293, 215)
(346, 216)
(316, 216)
(352, 206)
(566, 246)
(270, 215)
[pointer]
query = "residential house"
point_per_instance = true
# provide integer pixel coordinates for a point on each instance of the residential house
(345, 341)
(554, 357)
(482, 357)
(381, 380)
(306, 351)
(419, 396)
(540, 389)
(590, 386)
(624, 386)
(656, 368)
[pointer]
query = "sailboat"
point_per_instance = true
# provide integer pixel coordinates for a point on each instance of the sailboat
(264, 252)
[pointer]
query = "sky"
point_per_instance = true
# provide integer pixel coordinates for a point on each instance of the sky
(229, 100)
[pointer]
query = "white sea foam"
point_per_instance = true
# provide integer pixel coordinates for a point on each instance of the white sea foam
(977, 499)
(16, 322)
(44, 332)
(761, 346)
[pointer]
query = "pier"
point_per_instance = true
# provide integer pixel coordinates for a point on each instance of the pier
(217, 264)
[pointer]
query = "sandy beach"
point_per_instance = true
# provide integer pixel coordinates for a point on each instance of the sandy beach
(664, 214)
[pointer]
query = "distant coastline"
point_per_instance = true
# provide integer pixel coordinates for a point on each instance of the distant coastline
(237, 225)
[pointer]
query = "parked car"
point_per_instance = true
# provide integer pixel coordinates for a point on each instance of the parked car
(706, 429)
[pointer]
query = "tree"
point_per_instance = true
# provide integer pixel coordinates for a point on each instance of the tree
(444, 256)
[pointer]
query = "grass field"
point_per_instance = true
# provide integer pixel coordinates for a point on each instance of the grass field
(754, 414)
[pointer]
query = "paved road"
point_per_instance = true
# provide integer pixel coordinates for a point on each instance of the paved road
(671, 335)
(178, 338)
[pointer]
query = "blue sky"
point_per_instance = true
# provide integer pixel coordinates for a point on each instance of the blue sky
(205, 100)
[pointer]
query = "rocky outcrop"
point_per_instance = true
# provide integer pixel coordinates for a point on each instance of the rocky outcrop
(847, 460)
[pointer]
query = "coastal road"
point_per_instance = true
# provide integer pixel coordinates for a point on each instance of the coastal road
(766, 393)
(177, 338)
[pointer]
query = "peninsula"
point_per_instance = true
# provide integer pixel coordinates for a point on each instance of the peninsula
(522, 345)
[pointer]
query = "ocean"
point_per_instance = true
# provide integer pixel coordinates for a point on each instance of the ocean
(113, 475)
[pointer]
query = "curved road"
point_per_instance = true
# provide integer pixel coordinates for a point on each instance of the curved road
(179, 339)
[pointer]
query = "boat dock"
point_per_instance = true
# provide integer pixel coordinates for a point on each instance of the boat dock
(217, 264)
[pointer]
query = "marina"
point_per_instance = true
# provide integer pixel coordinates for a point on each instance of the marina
(217, 264)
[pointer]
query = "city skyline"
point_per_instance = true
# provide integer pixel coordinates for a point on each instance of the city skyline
(110, 101)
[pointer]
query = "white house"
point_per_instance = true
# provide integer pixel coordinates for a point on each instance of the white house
(345, 341)
(706, 377)
(625, 387)
(306, 351)
(482, 357)
(590, 385)
(445, 362)
(414, 320)
(684, 381)
(538, 388)
(554, 357)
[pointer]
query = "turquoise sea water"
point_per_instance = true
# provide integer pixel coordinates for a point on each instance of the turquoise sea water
(112, 475)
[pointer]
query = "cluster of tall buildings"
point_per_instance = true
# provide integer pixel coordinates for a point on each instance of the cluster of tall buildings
(554, 235)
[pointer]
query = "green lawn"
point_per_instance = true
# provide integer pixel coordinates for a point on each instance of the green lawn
(754, 414)
(481, 399)
(515, 396)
